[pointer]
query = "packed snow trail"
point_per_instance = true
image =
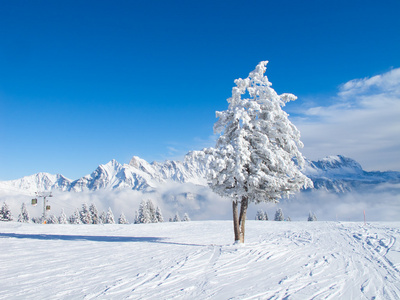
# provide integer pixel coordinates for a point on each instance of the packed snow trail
(196, 260)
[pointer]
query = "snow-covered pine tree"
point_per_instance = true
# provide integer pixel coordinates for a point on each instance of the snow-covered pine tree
(37, 220)
(102, 218)
(185, 218)
(311, 217)
(5, 213)
(94, 214)
(260, 215)
(265, 216)
(279, 215)
(151, 211)
(136, 220)
(75, 218)
(24, 215)
(143, 213)
(176, 218)
(288, 219)
(122, 219)
(257, 157)
(85, 215)
(110, 217)
(159, 215)
(62, 219)
(52, 219)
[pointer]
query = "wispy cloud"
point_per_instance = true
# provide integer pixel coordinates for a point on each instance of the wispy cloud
(380, 203)
(387, 83)
(364, 123)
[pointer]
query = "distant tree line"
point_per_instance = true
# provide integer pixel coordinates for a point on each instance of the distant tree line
(147, 213)
(262, 216)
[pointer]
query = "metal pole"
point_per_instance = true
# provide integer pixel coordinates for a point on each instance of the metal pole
(44, 196)
(44, 209)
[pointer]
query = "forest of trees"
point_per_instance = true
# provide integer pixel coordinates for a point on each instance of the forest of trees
(147, 213)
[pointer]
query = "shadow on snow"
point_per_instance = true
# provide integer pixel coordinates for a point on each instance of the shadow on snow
(92, 238)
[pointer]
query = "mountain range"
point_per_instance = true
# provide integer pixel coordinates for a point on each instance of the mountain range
(336, 174)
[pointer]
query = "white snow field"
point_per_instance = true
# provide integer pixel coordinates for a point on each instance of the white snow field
(197, 260)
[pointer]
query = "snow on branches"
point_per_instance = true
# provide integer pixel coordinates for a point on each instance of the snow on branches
(257, 153)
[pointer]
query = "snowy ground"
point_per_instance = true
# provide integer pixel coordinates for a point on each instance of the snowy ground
(197, 260)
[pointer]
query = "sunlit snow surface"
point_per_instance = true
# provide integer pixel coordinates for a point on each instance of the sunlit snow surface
(197, 260)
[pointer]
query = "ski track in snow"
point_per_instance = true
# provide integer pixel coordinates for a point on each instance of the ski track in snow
(196, 260)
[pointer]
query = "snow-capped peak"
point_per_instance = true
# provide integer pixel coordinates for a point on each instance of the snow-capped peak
(39, 182)
(333, 173)
(338, 162)
(142, 165)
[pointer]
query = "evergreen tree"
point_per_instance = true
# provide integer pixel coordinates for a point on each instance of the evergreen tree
(279, 215)
(260, 215)
(136, 220)
(24, 215)
(177, 218)
(102, 218)
(75, 218)
(52, 219)
(288, 219)
(36, 220)
(185, 218)
(265, 216)
(256, 157)
(110, 217)
(94, 214)
(311, 217)
(122, 219)
(5, 213)
(151, 211)
(159, 215)
(62, 219)
(143, 213)
(85, 215)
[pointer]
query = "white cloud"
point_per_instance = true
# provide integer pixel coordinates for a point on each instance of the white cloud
(379, 203)
(363, 124)
(387, 83)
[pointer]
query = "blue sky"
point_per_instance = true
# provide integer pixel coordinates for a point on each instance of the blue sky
(84, 82)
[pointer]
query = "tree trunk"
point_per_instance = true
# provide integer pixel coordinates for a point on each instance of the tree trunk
(235, 220)
(242, 217)
(239, 221)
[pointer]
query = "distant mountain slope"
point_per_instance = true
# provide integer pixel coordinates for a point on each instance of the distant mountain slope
(336, 174)
(342, 174)
(137, 175)
(38, 182)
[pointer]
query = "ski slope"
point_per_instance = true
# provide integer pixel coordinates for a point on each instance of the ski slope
(197, 260)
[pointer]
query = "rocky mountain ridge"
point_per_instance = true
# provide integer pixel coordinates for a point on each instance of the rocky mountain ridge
(337, 174)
